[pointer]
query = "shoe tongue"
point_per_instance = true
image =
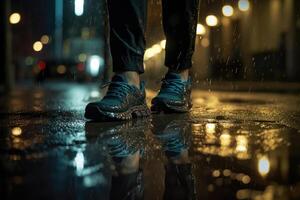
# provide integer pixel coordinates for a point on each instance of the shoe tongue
(172, 76)
(118, 78)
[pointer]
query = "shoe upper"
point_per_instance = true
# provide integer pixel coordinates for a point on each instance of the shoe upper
(120, 96)
(174, 90)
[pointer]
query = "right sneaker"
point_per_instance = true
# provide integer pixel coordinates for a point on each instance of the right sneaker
(121, 102)
(174, 95)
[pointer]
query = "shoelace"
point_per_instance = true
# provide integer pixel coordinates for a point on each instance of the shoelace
(117, 89)
(174, 86)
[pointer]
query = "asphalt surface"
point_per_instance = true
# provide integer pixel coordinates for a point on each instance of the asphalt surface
(241, 145)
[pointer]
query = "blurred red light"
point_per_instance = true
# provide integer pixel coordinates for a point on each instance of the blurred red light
(80, 67)
(42, 65)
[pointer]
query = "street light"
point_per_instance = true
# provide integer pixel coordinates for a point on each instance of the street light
(227, 10)
(244, 5)
(211, 20)
(14, 18)
(78, 7)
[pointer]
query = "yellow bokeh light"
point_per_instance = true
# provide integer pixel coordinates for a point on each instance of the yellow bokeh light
(153, 51)
(45, 39)
(15, 18)
(241, 143)
(244, 5)
(16, 131)
(37, 46)
(216, 173)
(210, 128)
(61, 69)
(82, 57)
(227, 10)
(211, 20)
(225, 139)
(163, 44)
(205, 42)
(200, 29)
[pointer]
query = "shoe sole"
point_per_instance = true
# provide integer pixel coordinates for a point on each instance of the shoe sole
(162, 106)
(94, 113)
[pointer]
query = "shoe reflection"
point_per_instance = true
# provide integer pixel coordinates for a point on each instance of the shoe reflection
(125, 144)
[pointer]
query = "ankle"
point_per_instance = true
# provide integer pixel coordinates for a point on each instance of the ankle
(133, 78)
(184, 74)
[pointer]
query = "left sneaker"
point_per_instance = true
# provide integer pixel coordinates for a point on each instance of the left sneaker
(174, 95)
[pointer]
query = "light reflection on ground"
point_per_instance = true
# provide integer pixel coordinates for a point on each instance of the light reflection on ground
(240, 146)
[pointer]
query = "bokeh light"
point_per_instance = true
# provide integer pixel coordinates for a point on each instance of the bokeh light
(227, 10)
(15, 18)
(200, 29)
(45, 39)
(244, 5)
(211, 20)
(37, 46)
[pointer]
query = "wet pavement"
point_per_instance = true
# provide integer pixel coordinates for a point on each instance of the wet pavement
(233, 145)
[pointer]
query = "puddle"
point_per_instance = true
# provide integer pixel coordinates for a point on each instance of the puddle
(227, 159)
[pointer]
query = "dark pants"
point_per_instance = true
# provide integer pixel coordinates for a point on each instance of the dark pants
(127, 27)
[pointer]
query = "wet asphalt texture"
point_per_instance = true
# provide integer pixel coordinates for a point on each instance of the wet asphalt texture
(241, 145)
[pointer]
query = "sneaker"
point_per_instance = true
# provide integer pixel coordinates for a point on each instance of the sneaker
(121, 102)
(174, 95)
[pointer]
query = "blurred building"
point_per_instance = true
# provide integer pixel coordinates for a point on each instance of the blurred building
(240, 40)
(236, 39)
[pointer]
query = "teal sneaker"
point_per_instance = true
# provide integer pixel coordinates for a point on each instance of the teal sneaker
(121, 102)
(174, 95)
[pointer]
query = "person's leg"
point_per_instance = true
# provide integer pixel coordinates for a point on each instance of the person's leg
(125, 97)
(179, 23)
(127, 20)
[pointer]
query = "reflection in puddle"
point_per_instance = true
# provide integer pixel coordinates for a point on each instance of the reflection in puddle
(168, 156)
(227, 156)
(79, 162)
(16, 131)
(263, 165)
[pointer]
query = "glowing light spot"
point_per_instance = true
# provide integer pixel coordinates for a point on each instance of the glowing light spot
(210, 128)
(95, 62)
(156, 48)
(79, 7)
(226, 172)
(205, 42)
(244, 5)
(41, 65)
(153, 51)
(95, 94)
(216, 173)
(16, 131)
(163, 44)
(37, 46)
(61, 69)
(79, 162)
(241, 143)
(211, 20)
(227, 10)
(246, 179)
(82, 57)
(225, 139)
(15, 18)
(200, 29)
(263, 165)
(45, 39)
